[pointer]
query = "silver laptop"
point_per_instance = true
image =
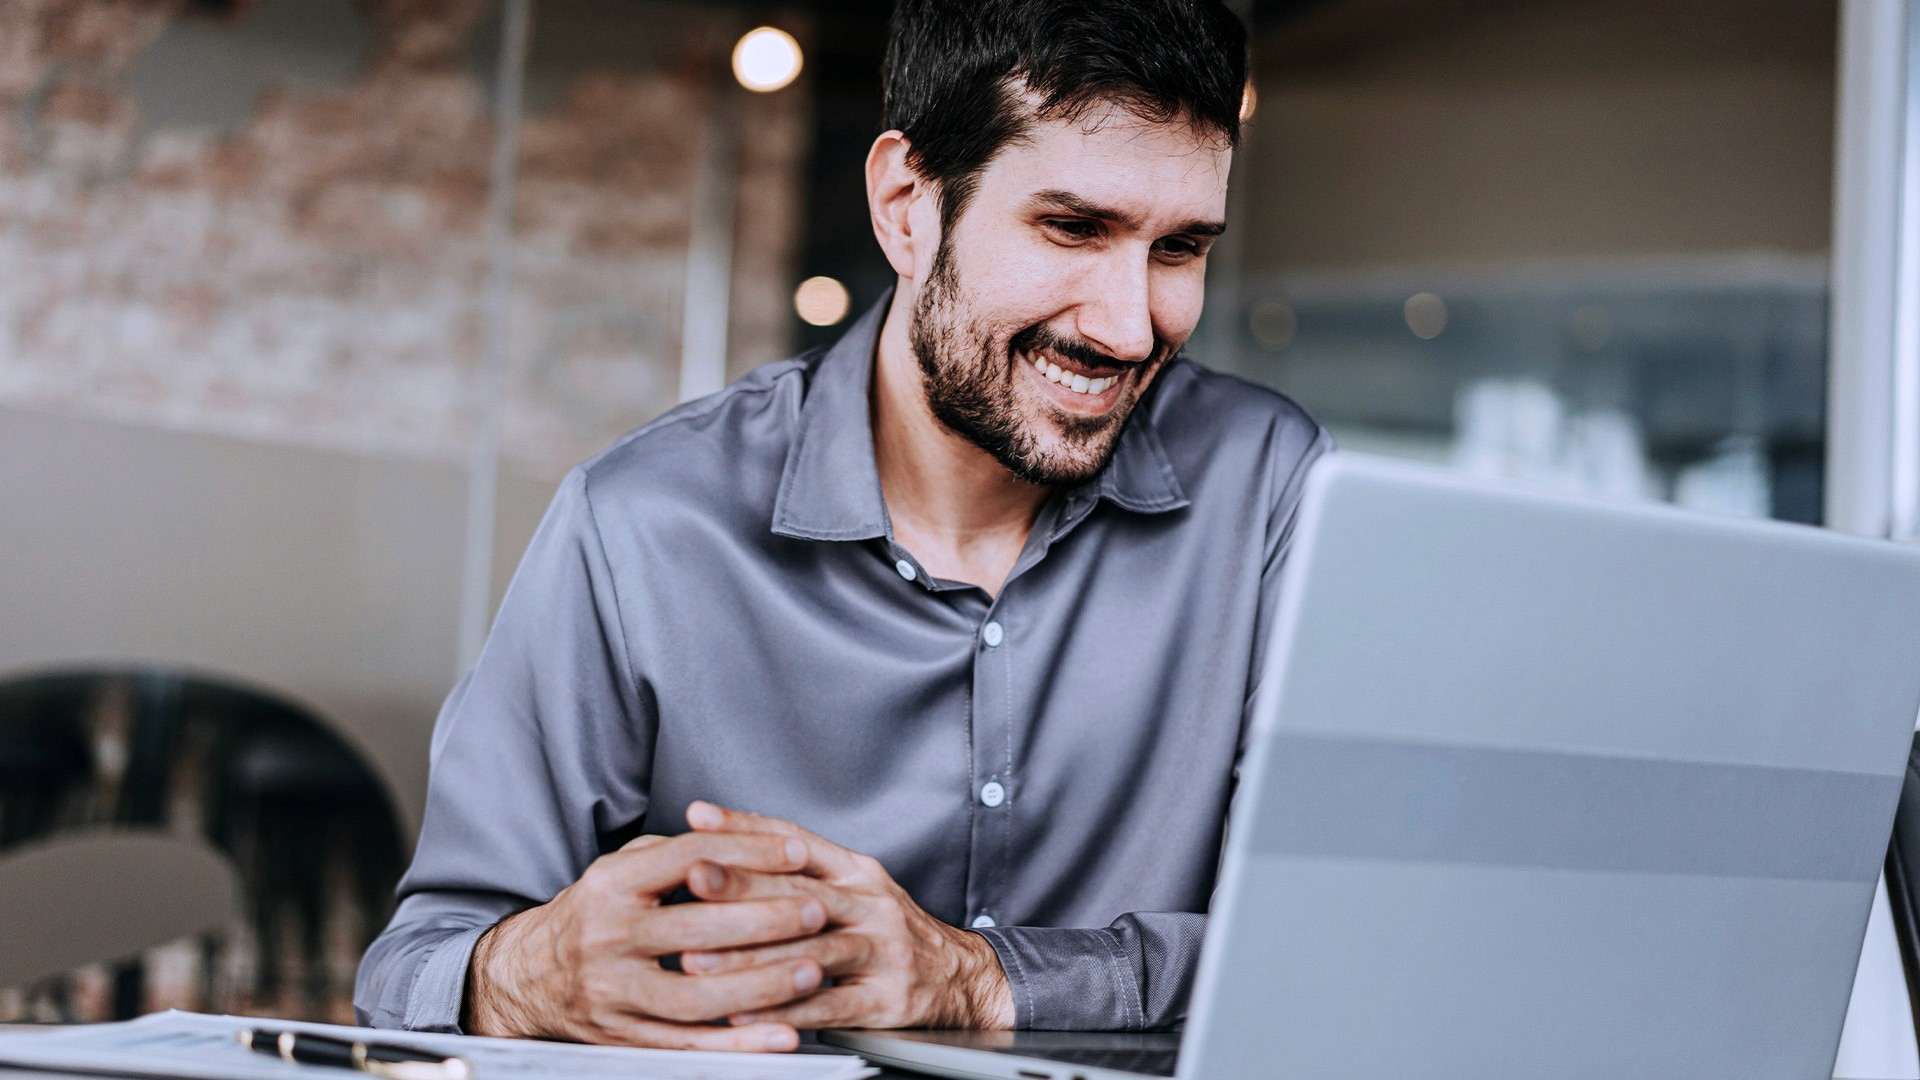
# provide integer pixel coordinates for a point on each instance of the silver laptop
(1537, 787)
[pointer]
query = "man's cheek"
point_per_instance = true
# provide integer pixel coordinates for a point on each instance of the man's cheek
(1179, 295)
(1029, 287)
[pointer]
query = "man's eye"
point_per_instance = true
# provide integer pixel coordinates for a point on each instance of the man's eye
(1072, 229)
(1179, 249)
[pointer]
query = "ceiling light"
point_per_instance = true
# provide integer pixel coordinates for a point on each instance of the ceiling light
(821, 301)
(766, 59)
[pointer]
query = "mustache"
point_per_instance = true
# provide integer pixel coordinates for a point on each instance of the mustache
(1079, 350)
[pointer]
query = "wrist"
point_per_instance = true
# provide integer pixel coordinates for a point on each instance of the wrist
(490, 1006)
(989, 996)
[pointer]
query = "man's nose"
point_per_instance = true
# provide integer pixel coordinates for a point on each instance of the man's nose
(1117, 315)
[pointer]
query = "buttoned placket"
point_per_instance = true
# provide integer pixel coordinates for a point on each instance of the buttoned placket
(995, 710)
(992, 774)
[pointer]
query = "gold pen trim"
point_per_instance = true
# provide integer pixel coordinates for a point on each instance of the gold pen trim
(453, 1068)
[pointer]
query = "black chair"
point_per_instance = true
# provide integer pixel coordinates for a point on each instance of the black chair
(303, 818)
(44, 758)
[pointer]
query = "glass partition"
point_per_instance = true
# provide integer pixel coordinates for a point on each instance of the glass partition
(1578, 244)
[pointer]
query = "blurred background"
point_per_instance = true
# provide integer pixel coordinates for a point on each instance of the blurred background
(306, 305)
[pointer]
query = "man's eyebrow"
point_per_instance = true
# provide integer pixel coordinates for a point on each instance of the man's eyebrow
(1067, 202)
(1200, 228)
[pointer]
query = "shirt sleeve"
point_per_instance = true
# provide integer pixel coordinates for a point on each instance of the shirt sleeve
(534, 761)
(1137, 973)
(1134, 975)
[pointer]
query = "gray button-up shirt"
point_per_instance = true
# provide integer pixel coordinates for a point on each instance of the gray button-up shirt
(715, 608)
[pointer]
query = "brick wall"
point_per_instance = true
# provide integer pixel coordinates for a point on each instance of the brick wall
(313, 273)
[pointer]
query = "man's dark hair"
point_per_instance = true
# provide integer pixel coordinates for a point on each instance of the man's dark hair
(966, 77)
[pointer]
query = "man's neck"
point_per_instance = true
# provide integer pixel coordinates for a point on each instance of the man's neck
(957, 509)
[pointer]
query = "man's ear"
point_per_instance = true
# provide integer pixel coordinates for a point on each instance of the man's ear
(892, 190)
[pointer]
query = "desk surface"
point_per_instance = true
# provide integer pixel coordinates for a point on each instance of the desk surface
(29, 1074)
(34, 1074)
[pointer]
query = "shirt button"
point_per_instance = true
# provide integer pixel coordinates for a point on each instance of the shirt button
(992, 794)
(906, 569)
(981, 922)
(992, 634)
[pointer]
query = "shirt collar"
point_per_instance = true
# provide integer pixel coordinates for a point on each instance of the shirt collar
(830, 488)
(1140, 477)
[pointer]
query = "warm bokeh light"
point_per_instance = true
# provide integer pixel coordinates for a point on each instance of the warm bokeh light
(821, 301)
(766, 59)
(1426, 315)
(1249, 101)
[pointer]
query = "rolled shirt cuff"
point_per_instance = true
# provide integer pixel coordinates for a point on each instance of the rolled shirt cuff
(439, 991)
(1068, 979)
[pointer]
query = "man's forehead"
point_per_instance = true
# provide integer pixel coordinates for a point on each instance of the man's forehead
(1152, 172)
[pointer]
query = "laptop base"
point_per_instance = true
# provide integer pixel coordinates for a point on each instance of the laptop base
(1016, 1055)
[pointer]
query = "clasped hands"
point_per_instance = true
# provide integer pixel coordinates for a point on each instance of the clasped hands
(781, 911)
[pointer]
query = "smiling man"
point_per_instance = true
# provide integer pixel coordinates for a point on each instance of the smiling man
(919, 666)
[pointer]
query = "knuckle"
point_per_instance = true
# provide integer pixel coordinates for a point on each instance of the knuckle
(592, 883)
(771, 983)
(591, 935)
(712, 962)
(603, 1018)
(837, 955)
(793, 911)
(678, 1005)
(648, 992)
(594, 989)
(888, 1004)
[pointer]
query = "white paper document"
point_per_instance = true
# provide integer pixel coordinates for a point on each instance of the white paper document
(182, 1044)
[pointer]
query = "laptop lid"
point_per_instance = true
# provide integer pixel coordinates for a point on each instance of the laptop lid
(1557, 788)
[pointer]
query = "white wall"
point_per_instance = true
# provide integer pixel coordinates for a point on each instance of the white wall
(328, 578)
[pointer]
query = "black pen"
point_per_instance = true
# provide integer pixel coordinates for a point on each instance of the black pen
(393, 1062)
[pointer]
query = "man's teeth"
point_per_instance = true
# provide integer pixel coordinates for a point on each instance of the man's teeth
(1079, 384)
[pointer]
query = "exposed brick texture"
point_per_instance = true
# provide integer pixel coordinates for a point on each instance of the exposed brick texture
(315, 275)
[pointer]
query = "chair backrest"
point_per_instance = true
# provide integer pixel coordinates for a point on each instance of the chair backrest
(106, 895)
(267, 786)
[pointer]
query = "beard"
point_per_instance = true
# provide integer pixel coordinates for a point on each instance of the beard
(970, 380)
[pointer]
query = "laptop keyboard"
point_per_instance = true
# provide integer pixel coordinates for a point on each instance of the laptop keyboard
(1148, 1062)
